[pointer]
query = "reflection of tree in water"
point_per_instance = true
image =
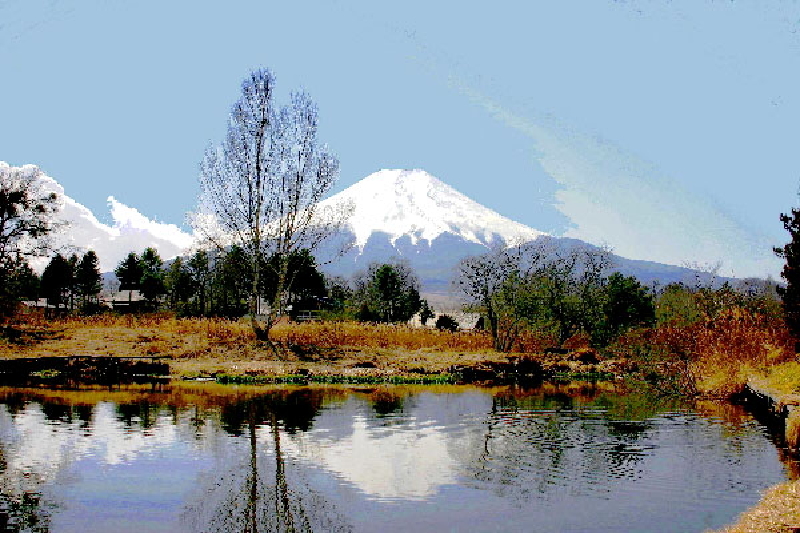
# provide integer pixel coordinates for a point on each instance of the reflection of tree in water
(386, 402)
(23, 513)
(141, 413)
(15, 402)
(266, 495)
(551, 442)
(21, 507)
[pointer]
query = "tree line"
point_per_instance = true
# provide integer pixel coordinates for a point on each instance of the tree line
(212, 283)
(565, 291)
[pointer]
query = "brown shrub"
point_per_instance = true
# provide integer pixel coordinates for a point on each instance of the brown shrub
(716, 354)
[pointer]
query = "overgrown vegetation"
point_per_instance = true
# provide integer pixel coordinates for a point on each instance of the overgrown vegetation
(561, 290)
(714, 353)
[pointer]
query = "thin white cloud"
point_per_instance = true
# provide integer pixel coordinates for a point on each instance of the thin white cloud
(615, 198)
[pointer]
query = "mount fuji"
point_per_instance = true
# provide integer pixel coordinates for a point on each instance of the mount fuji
(413, 207)
(412, 216)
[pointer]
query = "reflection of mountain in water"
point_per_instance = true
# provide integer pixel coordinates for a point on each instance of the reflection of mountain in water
(328, 459)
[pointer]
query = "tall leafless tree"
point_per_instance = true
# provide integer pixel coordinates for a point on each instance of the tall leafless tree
(27, 213)
(261, 187)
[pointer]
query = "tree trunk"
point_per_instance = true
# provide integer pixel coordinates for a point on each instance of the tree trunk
(281, 487)
(251, 522)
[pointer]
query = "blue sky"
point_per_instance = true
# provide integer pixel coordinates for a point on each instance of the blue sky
(668, 130)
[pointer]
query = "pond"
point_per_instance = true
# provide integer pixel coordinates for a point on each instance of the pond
(557, 458)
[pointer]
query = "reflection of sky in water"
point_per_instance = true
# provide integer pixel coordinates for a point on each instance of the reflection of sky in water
(438, 462)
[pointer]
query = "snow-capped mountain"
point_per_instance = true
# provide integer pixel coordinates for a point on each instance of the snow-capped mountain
(130, 232)
(413, 216)
(416, 205)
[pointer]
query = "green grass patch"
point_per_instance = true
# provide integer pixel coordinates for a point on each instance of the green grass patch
(582, 376)
(292, 379)
(48, 373)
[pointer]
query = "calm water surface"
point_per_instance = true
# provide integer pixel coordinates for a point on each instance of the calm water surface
(559, 458)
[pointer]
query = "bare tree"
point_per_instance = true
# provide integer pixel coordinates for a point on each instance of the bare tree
(492, 283)
(260, 188)
(27, 213)
(27, 217)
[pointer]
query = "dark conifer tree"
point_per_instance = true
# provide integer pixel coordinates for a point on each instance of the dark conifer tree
(178, 283)
(57, 279)
(18, 282)
(390, 293)
(87, 277)
(791, 273)
(129, 273)
(231, 282)
(152, 280)
(201, 275)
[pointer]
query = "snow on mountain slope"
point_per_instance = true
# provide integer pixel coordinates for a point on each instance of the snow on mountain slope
(415, 204)
(130, 232)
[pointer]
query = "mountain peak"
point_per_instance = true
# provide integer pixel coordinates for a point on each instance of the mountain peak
(416, 204)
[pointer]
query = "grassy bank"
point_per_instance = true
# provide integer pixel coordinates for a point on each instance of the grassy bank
(710, 357)
(777, 512)
(715, 357)
(212, 347)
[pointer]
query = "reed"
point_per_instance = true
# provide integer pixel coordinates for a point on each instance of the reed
(715, 355)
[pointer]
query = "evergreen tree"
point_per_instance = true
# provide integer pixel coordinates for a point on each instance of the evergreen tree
(26, 281)
(231, 283)
(627, 304)
(339, 292)
(87, 277)
(57, 279)
(201, 276)
(426, 313)
(178, 284)
(17, 282)
(791, 273)
(152, 280)
(129, 272)
(304, 283)
(390, 294)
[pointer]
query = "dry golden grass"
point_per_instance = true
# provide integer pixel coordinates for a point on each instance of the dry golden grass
(336, 334)
(784, 378)
(200, 346)
(777, 512)
(720, 353)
